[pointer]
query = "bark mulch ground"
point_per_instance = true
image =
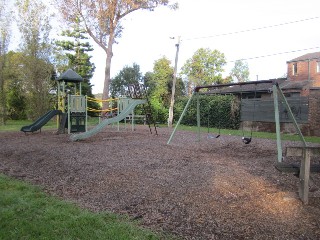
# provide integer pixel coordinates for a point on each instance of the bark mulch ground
(215, 189)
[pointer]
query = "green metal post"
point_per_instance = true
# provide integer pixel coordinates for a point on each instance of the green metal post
(86, 109)
(118, 111)
(69, 117)
(198, 115)
(277, 120)
(180, 119)
(283, 98)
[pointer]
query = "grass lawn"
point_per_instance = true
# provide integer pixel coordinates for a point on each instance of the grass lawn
(12, 125)
(28, 213)
(15, 125)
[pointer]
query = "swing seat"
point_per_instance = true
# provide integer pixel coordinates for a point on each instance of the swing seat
(212, 137)
(246, 140)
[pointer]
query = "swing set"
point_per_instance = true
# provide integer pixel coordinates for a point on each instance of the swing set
(218, 90)
(303, 169)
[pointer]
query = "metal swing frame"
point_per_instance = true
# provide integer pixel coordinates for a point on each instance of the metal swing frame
(196, 93)
(304, 151)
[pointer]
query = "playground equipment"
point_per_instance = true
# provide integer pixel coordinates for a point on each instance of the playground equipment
(305, 152)
(71, 103)
(40, 122)
(71, 108)
(248, 139)
(103, 113)
(104, 123)
(125, 107)
(216, 114)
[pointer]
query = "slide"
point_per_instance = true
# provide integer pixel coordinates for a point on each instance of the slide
(106, 122)
(40, 122)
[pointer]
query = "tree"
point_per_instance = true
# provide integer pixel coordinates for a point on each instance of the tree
(76, 48)
(128, 75)
(102, 21)
(160, 95)
(16, 96)
(34, 25)
(205, 67)
(5, 22)
(159, 84)
(240, 71)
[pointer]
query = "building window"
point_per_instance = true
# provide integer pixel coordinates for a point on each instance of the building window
(318, 67)
(295, 69)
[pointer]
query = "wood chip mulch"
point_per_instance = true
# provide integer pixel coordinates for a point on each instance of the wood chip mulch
(212, 189)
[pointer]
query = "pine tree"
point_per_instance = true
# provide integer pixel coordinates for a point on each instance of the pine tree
(76, 49)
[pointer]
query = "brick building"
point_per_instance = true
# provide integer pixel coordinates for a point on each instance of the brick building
(306, 67)
(301, 88)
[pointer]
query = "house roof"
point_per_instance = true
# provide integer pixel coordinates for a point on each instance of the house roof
(238, 89)
(263, 87)
(296, 84)
(308, 56)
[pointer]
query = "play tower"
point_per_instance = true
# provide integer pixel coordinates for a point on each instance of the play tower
(71, 103)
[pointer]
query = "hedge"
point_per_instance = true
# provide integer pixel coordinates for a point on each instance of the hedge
(219, 111)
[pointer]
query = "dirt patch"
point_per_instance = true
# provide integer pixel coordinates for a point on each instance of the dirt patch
(215, 189)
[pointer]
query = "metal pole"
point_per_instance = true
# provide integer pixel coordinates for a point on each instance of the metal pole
(170, 118)
(198, 115)
(182, 114)
(118, 111)
(277, 120)
(86, 105)
(295, 124)
(69, 117)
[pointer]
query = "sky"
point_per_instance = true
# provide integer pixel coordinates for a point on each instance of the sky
(265, 34)
(287, 26)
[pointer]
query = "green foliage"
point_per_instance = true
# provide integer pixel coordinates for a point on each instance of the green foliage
(128, 75)
(217, 111)
(158, 83)
(205, 67)
(103, 21)
(5, 23)
(16, 101)
(34, 25)
(73, 53)
(15, 95)
(28, 213)
(240, 71)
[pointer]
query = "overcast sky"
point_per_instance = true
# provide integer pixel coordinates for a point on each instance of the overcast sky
(246, 29)
(146, 35)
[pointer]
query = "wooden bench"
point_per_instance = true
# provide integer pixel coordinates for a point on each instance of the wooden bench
(295, 168)
(303, 170)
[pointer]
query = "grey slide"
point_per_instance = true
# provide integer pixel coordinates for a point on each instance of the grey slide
(103, 124)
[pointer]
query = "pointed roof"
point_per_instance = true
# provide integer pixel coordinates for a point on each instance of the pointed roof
(308, 56)
(70, 76)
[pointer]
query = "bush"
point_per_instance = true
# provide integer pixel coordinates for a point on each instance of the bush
(219, 111)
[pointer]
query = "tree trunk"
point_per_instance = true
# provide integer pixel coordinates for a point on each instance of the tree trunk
(107, 74)
(2, 101)
(189, 88)
(3, 109)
